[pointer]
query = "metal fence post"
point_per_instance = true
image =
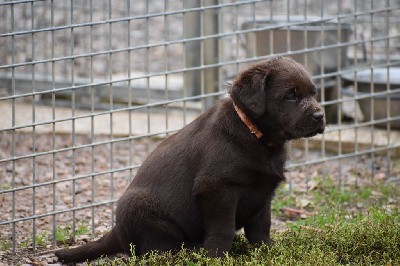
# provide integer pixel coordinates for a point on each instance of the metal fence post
(192, 51)
(197, 53)
(210, 51)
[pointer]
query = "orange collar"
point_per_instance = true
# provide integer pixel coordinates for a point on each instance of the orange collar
(253, 128)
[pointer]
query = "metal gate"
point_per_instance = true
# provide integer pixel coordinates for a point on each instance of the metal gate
(88, 88)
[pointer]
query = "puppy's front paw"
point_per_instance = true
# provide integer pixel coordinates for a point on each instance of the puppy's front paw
(270, 242)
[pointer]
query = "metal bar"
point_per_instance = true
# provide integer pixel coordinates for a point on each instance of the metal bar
(161, 103)
(74, 209)
(14, 2)
(291, 165)
(74, 177)
(146, 69)
(333, 74)
(73, 119)
(372, 102)
(342, 156)
(389, 105)
(219, 35)
(368, 123)
(210, 51)
(355, 92)
(53, 135)
(166, 52)
(306, 145)
(13, 142)
(339, 113)
(183, 11)
(130, 93)
(110, 75)
(33, 135)
(192, 49)
(157, 104)
(92, 133)
(289, 24)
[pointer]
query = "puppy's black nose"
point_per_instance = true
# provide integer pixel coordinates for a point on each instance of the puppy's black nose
(319, 115)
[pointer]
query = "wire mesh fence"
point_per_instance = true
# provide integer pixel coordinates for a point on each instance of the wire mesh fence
(88, 88)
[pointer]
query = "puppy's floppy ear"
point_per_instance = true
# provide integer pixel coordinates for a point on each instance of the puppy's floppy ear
(248, 91)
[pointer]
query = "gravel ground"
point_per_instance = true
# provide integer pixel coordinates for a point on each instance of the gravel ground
(106, 186)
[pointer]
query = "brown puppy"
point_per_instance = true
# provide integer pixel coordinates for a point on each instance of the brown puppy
(217, 174)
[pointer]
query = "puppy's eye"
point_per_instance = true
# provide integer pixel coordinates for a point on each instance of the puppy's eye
(291, 97)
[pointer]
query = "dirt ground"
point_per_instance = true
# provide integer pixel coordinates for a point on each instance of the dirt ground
(56, 191)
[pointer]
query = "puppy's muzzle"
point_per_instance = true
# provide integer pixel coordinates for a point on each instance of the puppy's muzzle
(318, 116)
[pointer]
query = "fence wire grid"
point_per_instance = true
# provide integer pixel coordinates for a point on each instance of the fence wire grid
(89, 88)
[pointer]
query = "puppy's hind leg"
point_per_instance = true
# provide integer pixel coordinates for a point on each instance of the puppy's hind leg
(143, 223)
(161, 236)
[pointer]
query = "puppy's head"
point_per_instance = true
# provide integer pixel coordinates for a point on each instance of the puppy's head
(279, 97)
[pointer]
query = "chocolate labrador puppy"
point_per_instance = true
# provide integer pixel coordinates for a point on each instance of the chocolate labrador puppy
(217, 174)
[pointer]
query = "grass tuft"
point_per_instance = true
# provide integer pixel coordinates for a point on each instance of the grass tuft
(65, 235)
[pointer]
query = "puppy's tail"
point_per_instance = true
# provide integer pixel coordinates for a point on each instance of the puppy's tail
(107, 245)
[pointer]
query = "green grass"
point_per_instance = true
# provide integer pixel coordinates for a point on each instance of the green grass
(64, 235)
(5, 244)
(328, 196)
(345, 226)
(41, 240)
(325, 239)
(5, 186)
